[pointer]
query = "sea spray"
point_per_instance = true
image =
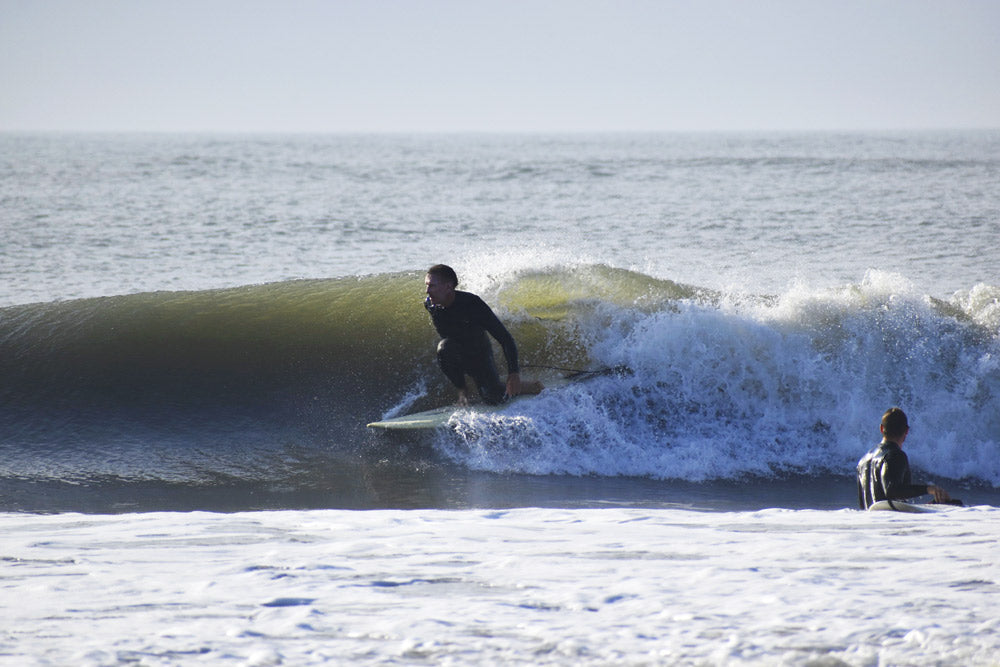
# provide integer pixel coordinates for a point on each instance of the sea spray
(725, 388)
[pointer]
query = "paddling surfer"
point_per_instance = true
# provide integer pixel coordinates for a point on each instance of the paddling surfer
(462, 320)
(884, 472)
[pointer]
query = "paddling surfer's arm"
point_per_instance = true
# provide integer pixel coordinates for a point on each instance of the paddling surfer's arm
(896, 480)
(940, 495)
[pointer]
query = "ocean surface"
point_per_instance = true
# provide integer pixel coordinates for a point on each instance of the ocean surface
(195, 330)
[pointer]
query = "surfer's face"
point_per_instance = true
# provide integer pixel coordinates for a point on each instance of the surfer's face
(440, 291)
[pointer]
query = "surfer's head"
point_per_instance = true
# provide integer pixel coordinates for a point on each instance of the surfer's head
(894, 424)
(445, 273)
(441, 282)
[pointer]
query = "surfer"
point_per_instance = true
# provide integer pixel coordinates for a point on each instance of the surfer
(884, 472)
(462, 320)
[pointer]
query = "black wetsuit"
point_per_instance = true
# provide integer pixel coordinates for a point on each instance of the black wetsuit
(464, 348)
(884, 474)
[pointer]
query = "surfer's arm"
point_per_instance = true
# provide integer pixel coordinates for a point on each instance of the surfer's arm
(489, 321)
(896, 479)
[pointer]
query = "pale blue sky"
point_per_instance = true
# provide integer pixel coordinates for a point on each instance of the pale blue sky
(507, 65)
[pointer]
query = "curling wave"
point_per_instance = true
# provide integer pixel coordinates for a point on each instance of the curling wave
(275, 382)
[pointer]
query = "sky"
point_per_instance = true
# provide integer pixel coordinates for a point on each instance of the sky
(498, 65)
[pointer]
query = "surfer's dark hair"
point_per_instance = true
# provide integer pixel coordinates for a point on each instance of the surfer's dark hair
(894, 423)
(444, 272)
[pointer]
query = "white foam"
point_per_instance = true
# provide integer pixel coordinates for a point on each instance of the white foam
(982, 304)
(755, 386)
(532, 586)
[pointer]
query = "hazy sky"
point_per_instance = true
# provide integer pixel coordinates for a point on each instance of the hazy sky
(374, 65)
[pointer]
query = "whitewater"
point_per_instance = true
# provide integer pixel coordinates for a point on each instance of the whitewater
(521, 587)
(194, 331)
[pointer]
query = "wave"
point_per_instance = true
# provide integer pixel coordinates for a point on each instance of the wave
(722, 387)
(275, 382)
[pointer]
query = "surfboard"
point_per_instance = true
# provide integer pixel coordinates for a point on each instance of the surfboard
(438, 417)
(900, 506)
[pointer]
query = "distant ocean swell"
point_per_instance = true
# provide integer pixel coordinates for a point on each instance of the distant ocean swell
(275, 382)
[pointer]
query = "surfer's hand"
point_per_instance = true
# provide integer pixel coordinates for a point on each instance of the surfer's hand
(940, 495)
(513, 384)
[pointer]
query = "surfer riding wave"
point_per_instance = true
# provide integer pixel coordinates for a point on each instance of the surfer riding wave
(462, 319)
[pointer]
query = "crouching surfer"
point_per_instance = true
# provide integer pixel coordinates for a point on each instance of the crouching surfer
(462, 319)
(884, 472)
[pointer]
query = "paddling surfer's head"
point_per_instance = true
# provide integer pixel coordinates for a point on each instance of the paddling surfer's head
(441, 282)
(894, 425)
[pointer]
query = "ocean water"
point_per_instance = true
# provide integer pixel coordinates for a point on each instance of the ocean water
(194, 331)
(611, 586)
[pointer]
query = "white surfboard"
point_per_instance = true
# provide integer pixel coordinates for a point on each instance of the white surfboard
(438, 417)
(900, 506)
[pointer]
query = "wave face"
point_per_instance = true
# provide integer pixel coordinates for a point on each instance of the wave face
(273, 384)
